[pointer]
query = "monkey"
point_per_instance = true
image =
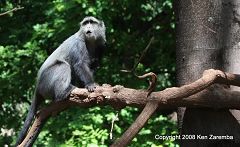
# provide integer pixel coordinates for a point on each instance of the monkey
(73, 62)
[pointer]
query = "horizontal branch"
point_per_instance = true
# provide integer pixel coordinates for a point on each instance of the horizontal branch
(191, 95)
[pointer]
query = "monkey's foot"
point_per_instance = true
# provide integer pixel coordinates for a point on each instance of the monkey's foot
(91, 87)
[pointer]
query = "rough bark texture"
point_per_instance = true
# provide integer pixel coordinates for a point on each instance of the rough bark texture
(191, 95)
(230, 41)
(207, 36)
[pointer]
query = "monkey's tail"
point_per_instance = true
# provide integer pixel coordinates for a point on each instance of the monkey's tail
(28, 121)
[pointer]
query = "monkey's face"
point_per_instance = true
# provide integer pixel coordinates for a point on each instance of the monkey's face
(93, 29)
(90, 31)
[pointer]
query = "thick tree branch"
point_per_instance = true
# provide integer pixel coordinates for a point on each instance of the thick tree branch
(209, 77)
(191, 95)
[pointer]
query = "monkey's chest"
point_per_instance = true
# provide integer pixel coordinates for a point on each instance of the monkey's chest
(94, 63)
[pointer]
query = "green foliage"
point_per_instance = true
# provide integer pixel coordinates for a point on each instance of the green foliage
(29, 35)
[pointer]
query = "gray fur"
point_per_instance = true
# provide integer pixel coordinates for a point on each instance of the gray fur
(74, 60)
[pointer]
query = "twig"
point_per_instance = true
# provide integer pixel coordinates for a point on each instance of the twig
(12, 10)
(152, 81)
(141, 57)
(113, 120)
(143, 54)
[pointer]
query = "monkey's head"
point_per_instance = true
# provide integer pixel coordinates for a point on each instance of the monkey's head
(93, 30)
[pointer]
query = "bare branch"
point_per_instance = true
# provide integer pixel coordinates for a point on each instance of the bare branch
(143, 54)
(140, 58)
(191, 95)
(12, 10)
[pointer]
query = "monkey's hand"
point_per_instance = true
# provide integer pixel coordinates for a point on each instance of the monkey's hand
(91, 86)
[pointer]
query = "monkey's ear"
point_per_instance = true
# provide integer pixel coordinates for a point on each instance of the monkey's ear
(80, 23)
(102, 24)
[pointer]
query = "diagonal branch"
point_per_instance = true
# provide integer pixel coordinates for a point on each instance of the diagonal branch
(209, 77)
(191, 95)
(12, 10)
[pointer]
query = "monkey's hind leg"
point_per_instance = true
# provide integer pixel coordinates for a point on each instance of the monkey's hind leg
(56, 81)
(62, 86)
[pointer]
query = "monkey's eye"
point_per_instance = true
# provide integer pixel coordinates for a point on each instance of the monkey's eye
(93, 22)
(85, 22)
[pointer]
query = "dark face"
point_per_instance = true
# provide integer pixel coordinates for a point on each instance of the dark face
(93, 29)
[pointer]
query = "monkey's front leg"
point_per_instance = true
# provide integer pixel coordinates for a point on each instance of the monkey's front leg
(91, 87)
(86, 75)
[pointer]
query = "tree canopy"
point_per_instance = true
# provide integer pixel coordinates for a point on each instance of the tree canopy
(30, 34)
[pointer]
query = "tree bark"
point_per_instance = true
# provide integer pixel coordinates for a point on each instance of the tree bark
(230, 41)
(191, 95)
(206, 35)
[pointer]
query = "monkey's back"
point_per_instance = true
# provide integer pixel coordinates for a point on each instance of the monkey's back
(62, 53)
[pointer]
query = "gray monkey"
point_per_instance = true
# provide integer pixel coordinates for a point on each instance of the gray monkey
(73, 62)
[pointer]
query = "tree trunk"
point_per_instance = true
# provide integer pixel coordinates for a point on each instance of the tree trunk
(207, 36)
(231, 42)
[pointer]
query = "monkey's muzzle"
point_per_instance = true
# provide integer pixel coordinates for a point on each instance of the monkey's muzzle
(88, 32)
